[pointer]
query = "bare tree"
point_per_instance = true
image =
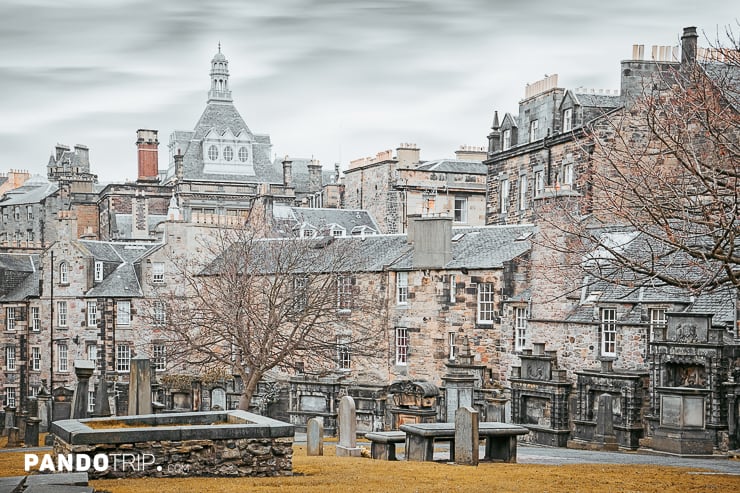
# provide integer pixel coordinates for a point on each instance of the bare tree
(662, 199)
(270, 304)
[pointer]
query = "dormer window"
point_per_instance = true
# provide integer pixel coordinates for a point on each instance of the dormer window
(98, 271)
(507, 139)
(568, 120)
(212, 153)
(243, 154)
(64, 273)
(228, 153)
(534, 126)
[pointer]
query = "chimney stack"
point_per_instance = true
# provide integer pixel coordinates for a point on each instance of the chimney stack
(688, 45)
(60, 149)
(83, 157)
(287, 172)
(314, 176)
(147, 145)
(432, 240)
(407, 155)
(178, 165)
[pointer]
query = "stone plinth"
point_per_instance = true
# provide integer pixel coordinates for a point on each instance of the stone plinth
(83, 370)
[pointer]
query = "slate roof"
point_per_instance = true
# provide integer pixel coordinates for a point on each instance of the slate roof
(455, 166)
(19, 274)
(123, 224)
(598, 100)
(299, 170)
(31, 192)
(124, 281)
(321, 219)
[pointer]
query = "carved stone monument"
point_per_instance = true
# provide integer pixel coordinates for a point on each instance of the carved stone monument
(347, 446)
(83, 370)
(604, 435)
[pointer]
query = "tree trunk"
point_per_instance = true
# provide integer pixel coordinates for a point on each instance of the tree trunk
(250, 385)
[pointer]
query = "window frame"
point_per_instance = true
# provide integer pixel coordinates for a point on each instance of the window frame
(520, 328)
(539, 183)
(504, 191)
(63, 272)
(608, 332)
(506, 140)
(10, 318)
(344, 355)
(10, 396)
(523, 193)
(10, 358)
(451, 345)
(35, 319)
(534, 127)
(567, 119)
(402, 288)
(122, 321)
(453, 288)
(92, 350)
(35, 358)
(62, 357)
(159, 313)
(98, 276)
(344, 292)
(485, 305)
(159, 356)
(158, 272)
(92, 313)
(123, 358)
(656, 322)
(401, 336)
(460, 214)
(62, 313)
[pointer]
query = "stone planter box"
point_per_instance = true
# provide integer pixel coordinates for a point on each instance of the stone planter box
(218, 443)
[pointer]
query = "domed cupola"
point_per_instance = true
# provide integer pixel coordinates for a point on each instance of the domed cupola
(219, 78)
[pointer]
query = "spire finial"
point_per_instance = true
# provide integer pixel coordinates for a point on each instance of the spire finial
(219, 46)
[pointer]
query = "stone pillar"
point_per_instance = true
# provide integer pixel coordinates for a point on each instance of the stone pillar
(140, 386)
(83, 370)
(347, 446)
(14, 440)
(466, 436)
(605, 424)
(20, 422)
(31, 437)
(9, 419)
(102, 405)
(315, 437)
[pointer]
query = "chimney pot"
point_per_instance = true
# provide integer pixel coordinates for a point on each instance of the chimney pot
(688, 45)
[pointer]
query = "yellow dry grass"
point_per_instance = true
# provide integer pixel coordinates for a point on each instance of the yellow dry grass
(340, 475)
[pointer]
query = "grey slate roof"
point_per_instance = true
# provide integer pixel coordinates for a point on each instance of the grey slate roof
(598, 100)
(123, 223)
(31, 192)
(123, 281)
(455, 166)
(299, 170)
(321, 219)
(19, 276)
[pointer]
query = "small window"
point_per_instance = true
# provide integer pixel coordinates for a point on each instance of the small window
(504, 195)
(123, 358)
(92, 353)
(10, 396)
(17, 213)
(160, 313)
(10, 318)
(344, 292)
(62, 313)
(485, 303)
(507, 139)
(29, 212)
(10, 358)
(568, 120)
(657, 321)
(520, 328)
(159, 357)
(91, 401)
(35, 358)
(337, 232)
(402, 288)
(534, 130)
(461, 210)
(98, 271)
(539, 183)
(608, 332)
(452, 347)
(402, 346)
(243, 154)
(62, 355)
(92, 313)
(308, 233)
(64, 273)
(523, 192)
(158, 272)
(123, 313)
(228, 153)
(568, 174)
(453, 288)
(344, 357)
(212, 152)
(35, 319)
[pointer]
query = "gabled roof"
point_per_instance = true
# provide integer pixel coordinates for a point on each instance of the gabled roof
(322, 219)
(455, 166)
(508, 121)
(32, 191)
(19, 276)
(124, 281)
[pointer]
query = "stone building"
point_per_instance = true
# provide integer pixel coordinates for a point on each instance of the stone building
(12, 180)
(394, 187)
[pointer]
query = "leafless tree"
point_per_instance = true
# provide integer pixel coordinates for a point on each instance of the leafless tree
(662, 196)
(270, 304)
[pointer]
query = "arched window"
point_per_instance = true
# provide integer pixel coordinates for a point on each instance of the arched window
(243, 154)
(213, 153)
(64, 273)
(228, 153)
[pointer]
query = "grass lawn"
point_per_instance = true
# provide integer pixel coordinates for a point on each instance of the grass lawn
(332, 474)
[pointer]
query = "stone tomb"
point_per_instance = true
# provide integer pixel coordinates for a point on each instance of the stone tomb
(216, 443)
(413, 402)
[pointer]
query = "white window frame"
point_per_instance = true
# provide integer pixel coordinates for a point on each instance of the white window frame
(158, 272)
(402, 346)
(91, 400)
(344, 292)
(504, 195)
(17, 213)
(62, 313)
(160, 313)
(539, 183)
(159, 356)
(35, 358)
(453, 288)
(63, 272)
(485, 306)
(98, 271)
(506, 142)
(568, 174)
(523, 192)
(568, 120)
(10, 396)
(534, 127)
(92, 353)
(35, 319)
(10, 361)
(520, 328)
(123, 313)
(608, 332)
(402, 288)
(10, 318)
(123, 358)
(657, 320)
(92, 313)
(62, 355)
(461, 210)
(344, 356)
(451, 345)
(29, 213)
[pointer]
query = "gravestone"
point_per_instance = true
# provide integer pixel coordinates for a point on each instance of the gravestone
(9, 419)
(83, 370)
(31, 437)
(604, 434)
(315, 436)
(140, 386)
(347, 446)
(466, 436)
(102, 404)
(14, 440)
(20, 422)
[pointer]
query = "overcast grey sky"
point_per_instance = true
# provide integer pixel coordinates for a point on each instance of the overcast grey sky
(333, 79)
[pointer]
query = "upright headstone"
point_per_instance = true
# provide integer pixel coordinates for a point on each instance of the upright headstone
(347, 446)
(83, 370)
(466, 436)
(102, 404)
(9, 419)
(315, 437)
(20, 422)
(44, 410)
(31, 437)
(14, 440)
(140, 386)
(605, 424)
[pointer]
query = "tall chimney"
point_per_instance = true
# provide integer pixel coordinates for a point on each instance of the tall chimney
(688, 45)
(178, 165)
(336, 172)
(147, 144)
(59, 150)
(432, 239)
(408, 155)
(83, 157)
(314, 176)
(287, 172)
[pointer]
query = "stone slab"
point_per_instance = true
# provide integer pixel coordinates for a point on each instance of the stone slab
(11, 484)
(66, 478)
(55, 488)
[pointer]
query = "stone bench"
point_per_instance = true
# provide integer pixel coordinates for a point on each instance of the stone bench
(501, 440)
(383, 443)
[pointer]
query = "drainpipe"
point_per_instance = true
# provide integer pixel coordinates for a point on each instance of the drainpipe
(51, 329)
